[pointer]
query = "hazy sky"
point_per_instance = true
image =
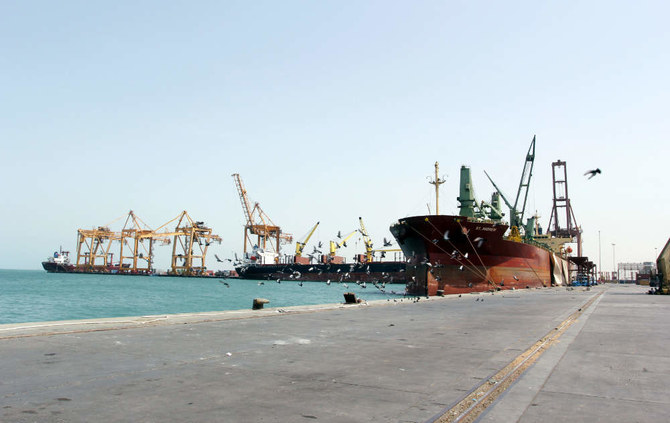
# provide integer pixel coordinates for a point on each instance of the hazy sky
(329, 110)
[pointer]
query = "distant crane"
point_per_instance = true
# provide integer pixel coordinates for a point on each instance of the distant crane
(258, 223)
(97, 243)
(132, 238)
(193, 239)
(517, 210)
(367, 241)
(300, 246)
(562, 207)
(335, 246)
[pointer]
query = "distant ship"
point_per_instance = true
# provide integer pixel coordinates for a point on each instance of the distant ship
(260, 265)
(59, 263)
(471, 253)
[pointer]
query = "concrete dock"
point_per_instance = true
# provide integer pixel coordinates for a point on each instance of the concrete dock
(386, 361)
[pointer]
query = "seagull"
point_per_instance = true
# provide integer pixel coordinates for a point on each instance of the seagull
(339, 234)
(479, 240)
(225, 283)
(515, 278)
(461, 268)
(217, 258)
(261, 283)
(328, 282)
(300, 283)
(446, 235)
(345, 285)
(387, 243)
(592, 173)
(278, 280)
(466, 255)
(320, 244)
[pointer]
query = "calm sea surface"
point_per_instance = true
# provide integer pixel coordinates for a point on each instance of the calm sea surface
(38, 296)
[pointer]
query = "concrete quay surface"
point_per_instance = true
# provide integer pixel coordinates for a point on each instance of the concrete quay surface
(381, 362)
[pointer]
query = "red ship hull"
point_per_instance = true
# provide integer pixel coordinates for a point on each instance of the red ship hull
(453, 254)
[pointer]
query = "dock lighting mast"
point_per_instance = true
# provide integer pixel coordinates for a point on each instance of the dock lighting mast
(258, 223)
(559, 175)
(437, 182)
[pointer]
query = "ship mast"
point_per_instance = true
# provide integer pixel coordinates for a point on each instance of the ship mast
(437, 182)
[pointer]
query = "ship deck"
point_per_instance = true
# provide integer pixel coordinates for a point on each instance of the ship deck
(382, 362)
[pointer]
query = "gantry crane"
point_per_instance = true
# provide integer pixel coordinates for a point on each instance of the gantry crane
(98, 243)
(134, 237)
(192, 238)
(258, 223)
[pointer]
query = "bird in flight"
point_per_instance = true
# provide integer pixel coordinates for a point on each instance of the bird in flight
(592, 173)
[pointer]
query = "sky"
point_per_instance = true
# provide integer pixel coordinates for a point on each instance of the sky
(329, 111)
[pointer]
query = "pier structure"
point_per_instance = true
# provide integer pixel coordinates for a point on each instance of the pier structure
(550, 355)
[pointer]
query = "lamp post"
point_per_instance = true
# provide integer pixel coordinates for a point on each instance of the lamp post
(600, 268)
(614, 261)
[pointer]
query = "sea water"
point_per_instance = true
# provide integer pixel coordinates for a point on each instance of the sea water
(38, 296)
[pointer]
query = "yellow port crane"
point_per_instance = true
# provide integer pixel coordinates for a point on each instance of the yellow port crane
(97, 243)
(192, 238)
(334, 246)
(258, 223)
(300, 246)
(367, 241)
(133, 236)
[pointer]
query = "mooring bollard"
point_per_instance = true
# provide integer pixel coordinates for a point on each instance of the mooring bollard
(350, 298)
(258, 303)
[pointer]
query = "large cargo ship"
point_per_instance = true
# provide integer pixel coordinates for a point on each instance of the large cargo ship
(473, 251)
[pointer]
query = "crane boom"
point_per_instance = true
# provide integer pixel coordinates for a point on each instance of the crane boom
(334, 246)
(300, 246)
(259, 223)
(246, 208)
(524, 184)
(367, 241)
(516, 213)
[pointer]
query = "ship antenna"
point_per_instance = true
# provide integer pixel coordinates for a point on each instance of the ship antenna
(437, 182)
